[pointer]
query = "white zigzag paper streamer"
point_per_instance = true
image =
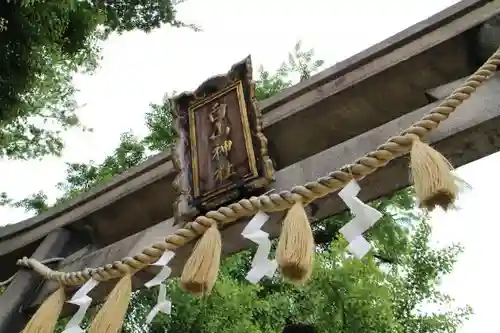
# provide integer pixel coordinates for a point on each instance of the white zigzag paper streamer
(81, 299)
(162, 305)
(365, 217)
(261, 265)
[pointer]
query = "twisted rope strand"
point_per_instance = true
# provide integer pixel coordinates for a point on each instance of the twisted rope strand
(323, 186)
(43, 263)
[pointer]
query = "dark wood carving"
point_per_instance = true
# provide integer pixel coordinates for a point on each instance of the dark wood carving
(221, 153)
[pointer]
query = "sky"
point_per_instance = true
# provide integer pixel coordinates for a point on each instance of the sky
(138, 69)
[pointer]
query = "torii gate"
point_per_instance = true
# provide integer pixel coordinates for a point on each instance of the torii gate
(341, 114)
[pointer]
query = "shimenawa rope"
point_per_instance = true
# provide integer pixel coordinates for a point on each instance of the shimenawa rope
(323, 186)
(44, 262)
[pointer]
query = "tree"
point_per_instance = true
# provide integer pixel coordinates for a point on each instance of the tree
(381, 293)
(43, 43)
(344, 294)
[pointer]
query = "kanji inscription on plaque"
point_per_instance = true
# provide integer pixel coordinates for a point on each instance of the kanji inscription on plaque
(221, 153)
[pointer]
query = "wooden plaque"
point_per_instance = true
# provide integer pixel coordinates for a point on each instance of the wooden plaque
(221, 154)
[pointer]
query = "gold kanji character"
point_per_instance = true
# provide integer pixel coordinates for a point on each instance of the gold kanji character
(222, 150)
(216, 116)
(223, 172)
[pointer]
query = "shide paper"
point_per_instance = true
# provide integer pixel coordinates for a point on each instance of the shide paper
(165, 270)
(83, 301)
(261, 265)
(162, 305)
(365, 217)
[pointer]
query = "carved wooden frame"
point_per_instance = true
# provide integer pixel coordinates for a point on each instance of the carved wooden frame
(238, 78)
(238, 86)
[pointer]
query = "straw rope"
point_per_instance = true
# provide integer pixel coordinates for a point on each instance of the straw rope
(44, 262)
(321, 187)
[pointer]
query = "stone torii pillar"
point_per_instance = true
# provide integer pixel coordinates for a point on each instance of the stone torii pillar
(20, 291)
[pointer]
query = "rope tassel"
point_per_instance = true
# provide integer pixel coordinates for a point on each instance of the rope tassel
(202, 267)
(110, 317)
(431, 172)
(45, 318)
(295, 252)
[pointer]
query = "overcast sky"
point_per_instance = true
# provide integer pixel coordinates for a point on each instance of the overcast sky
(139, 68)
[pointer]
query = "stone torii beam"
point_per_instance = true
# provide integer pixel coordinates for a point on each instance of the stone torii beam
(373, 87)
(472, 132)
(356, 95)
